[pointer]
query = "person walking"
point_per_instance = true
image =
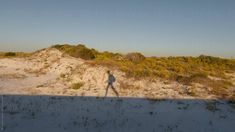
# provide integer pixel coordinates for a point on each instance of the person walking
(110, 81)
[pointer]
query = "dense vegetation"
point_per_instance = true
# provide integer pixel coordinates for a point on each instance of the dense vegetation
(79, 51)
(136, 65)
(13, 54)
(186, 70)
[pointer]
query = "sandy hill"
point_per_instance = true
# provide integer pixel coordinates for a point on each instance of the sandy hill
(52, 90)
(48, 72)
(51, 72)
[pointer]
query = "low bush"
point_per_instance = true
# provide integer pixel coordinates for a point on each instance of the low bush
(84, 53)
(14, 54)
(135, 57)
(77, 86)
(79, 51)
(10, 54)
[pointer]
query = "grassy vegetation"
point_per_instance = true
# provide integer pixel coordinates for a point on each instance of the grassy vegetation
(79, 51)
(135, 57)
(62, 75)
(186, 70)
(10, 54)
(77, 86)
(13, 54)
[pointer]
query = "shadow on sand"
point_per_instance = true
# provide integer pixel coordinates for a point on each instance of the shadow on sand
(69, 113)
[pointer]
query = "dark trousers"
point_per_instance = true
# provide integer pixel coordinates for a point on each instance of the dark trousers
(107, 88)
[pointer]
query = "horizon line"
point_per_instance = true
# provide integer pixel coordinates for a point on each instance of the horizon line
(147, 54)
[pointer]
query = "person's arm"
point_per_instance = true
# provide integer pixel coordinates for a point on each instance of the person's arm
(109, 79)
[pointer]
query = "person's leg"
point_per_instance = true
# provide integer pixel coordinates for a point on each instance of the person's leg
(115, 91)
(107, 88)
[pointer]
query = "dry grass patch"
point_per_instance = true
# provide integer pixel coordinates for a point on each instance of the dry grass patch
(126, 86)
(14, 54)
(13, 76)
(77, 86)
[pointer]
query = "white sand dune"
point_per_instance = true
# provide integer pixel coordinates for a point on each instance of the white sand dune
(52, 73)
(39, 97)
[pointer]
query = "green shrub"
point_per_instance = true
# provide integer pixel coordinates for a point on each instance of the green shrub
(77, 86)
(14, 54)
(69, 49)
(10, 54)
(62, 75)
(135, 57)
(84, 53)
(194, 78)
(79, 51)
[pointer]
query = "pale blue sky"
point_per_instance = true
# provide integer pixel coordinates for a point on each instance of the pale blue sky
(153, 27)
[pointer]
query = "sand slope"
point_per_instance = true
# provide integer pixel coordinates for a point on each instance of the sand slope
(38, 96)
(51, 72)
